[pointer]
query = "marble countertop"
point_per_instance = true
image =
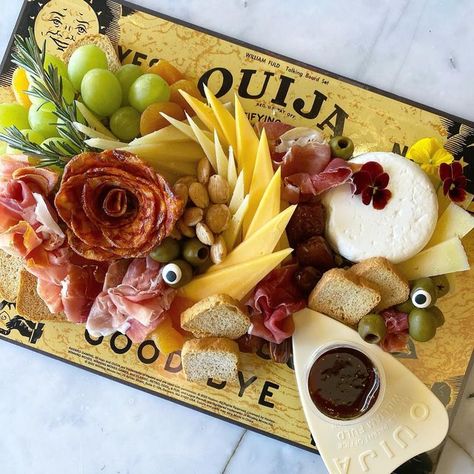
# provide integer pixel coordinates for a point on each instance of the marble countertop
(55, 418)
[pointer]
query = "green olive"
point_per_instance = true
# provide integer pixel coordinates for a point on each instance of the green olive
(437, 315)
(177, 273)
(341, 147)
(441, 283)
(165, 252)
(195, 252)
(372, 328)
(405, 307)
(421, 325)
(423, 293)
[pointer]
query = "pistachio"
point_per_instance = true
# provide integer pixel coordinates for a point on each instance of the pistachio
(198, 194)
(219, 189)
(203, 171)
(218, 250)
(204, 234)
(218, 218)
(186, 230)
(193, 215)
(181, 191)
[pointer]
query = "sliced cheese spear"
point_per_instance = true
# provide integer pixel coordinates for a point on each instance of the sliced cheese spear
(205, 113)
(223, 117)
(221, 159)
(269, 205)
(262, 242)
(231, 169)
(185, 129)
(247, 143)
(236, 280)
(205, 142)
(262, 175)
(93, 121)
(232, 233)
(238, 194)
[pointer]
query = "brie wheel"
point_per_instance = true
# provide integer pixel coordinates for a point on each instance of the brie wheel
(397, 232)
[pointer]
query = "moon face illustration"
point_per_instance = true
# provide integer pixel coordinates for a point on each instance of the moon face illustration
(61, 22)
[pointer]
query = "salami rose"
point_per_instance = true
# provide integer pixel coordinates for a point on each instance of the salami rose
(115, 206)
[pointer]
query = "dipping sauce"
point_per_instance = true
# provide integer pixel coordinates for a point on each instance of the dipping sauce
(343, 383)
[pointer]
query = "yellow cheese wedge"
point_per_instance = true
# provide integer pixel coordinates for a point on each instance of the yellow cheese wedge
(262, 242)
(221, 159)
(238, 194)
(233, 232)
(269, 205)
(447, 257)
(454, 222)
(187, 152)
(223, 117)
(235, 281)
(205, 113)
(93, 121)
(262, 175)
(231, 169)
(247, 143)
(181, 128)
(205, 142)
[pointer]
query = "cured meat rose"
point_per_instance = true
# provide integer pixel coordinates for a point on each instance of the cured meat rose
(273, 302)
(115, 206)
(133, 301)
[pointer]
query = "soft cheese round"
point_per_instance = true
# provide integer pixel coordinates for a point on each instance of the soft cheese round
(398, 231)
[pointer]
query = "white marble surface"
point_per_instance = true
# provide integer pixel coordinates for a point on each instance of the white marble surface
(59, 419)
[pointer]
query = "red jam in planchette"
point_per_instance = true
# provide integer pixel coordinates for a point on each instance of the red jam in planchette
(343, 383)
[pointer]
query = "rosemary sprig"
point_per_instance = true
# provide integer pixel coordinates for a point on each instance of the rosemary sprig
(47, 86)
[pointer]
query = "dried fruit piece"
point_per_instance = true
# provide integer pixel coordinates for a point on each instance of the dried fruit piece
(204, 234)
(192, 216)
(20, 84)
(198, 194)
(166, 338)
(316, 253)
(167, 71)
(280, 353)
(151, 119)
(306, 278)
(187, 86)
(307, 221)
(219, 189)
(250, 344)
(218, 218)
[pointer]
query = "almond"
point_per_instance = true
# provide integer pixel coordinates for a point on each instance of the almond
(218, 250)
(219, 189)
(181, 191)
(218, 218)
(186, 180)
(193, 215)
(203, 171)
(198, 194)
(204, 234)
(186, 230)
(176, 234)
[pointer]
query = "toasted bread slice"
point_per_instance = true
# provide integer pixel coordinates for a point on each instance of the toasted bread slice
(344, 296)
(10, 267)
(103, 42)
(210, 357)
(393, 288)
(218, 316)
(29, 304)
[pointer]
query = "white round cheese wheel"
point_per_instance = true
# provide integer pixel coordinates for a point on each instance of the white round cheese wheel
(397, 232)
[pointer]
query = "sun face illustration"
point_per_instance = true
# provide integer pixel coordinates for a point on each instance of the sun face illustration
(61, 22)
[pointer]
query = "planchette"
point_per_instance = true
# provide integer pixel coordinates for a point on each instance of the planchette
(407, 418)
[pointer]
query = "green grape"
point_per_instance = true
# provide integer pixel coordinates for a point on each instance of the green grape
(43, 120)
(101, 92)
(68, 93)
(84, 59)
(32, 135)
(127, 75)
(148, 89)
(57, 63)
(59, 142)
(13, 115)
(125, 123)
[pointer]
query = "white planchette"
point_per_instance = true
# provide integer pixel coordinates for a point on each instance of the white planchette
(407, 418)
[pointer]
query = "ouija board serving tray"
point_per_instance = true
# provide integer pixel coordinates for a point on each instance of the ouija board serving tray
(271, 87)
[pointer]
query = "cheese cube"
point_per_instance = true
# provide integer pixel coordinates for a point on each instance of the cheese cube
(447, 257)
(236, 281)
(454, 222)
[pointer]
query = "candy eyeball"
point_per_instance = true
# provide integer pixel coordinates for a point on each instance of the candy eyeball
(423, 293)
(172, 274)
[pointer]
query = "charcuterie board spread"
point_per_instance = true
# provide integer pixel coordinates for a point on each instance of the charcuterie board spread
(170, 198)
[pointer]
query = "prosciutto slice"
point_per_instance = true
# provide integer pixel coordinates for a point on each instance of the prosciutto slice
(133, 300)
(273, 302)
(396, 338)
